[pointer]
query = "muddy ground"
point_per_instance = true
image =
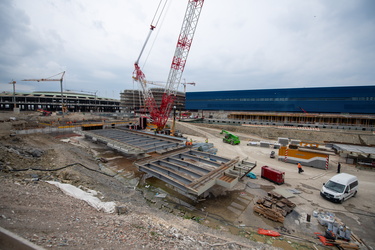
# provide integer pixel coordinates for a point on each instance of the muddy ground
(44, 215)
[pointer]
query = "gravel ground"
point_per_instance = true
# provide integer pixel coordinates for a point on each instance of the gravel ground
(43, 214)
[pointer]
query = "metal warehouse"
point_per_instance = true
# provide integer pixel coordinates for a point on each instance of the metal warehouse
(353, 99)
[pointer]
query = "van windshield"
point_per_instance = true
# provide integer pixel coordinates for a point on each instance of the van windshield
(334, 186)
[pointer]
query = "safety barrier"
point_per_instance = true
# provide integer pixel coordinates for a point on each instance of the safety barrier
(282, 127)
(47, 130)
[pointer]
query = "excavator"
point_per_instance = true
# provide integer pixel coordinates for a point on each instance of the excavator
(230, 138)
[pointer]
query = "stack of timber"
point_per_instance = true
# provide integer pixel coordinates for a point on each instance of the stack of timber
(341, 244)
(334, 236)
(354, 243)
(355, 239)
(274, 207)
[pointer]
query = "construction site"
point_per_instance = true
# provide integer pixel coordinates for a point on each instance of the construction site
(79, 172)
(198, 190)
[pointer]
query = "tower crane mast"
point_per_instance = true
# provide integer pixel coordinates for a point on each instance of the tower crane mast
(160, 114)
(186, 83)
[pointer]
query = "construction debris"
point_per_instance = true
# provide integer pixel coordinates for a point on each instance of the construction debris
(274, 207)
(337, 233)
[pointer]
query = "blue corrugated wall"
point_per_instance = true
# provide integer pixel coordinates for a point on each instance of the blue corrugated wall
(354, 99)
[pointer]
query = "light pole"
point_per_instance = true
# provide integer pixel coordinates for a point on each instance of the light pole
(96, 107)
(174, 120)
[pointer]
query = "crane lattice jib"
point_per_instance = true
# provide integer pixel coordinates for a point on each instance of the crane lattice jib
(185, 39)
(149, 100)
(184, 42)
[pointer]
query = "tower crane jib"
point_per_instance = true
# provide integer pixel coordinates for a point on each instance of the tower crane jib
(50, 79)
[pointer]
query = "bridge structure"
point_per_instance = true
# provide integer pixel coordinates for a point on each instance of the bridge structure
(186, 170)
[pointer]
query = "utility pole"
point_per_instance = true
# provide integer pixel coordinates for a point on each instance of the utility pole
(96, 107)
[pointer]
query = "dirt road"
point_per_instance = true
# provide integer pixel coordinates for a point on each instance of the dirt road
(358, 212)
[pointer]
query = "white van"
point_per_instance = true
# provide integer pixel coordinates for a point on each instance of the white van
(340, 187)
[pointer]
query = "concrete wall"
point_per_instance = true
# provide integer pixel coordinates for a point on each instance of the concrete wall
(46, 130)
(9, 240)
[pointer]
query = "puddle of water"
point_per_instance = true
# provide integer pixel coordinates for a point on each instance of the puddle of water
(232, 211)
(229, 206)
(119, 163)
(173, 195)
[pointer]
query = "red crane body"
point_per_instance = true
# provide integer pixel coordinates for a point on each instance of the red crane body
(161, 114)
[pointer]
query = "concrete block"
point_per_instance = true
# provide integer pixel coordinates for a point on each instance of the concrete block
(295, 142)
(283, 141)
(252, 143)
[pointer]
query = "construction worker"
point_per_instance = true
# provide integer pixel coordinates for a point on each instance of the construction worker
(206, 140)
(300, 170)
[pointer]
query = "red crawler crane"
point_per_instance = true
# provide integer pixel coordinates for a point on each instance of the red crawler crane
(160, 114)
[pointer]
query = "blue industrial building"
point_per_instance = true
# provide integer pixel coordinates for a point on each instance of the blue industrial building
(353, 99)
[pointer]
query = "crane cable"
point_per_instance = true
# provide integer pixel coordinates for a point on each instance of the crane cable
(158, 14)
(55, 75)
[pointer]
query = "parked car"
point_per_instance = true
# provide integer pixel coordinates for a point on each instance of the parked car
(340, 187)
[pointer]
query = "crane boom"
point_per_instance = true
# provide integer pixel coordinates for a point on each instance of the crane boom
(42, 80)
(138, 75)
(48, 79)
(160, 114)
(184, 42)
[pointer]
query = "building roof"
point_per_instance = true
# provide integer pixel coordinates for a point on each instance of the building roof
(356, 150)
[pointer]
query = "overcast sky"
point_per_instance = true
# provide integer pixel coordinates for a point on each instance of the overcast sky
(239, 44)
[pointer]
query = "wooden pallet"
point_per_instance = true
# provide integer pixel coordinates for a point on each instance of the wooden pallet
(274, 207)
(269, 213)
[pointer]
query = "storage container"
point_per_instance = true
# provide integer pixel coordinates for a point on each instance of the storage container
(273, 175)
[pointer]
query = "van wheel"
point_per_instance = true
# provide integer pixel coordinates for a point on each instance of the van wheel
(355, 193)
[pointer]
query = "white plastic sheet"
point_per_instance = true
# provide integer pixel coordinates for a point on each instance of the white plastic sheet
(108, 207)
